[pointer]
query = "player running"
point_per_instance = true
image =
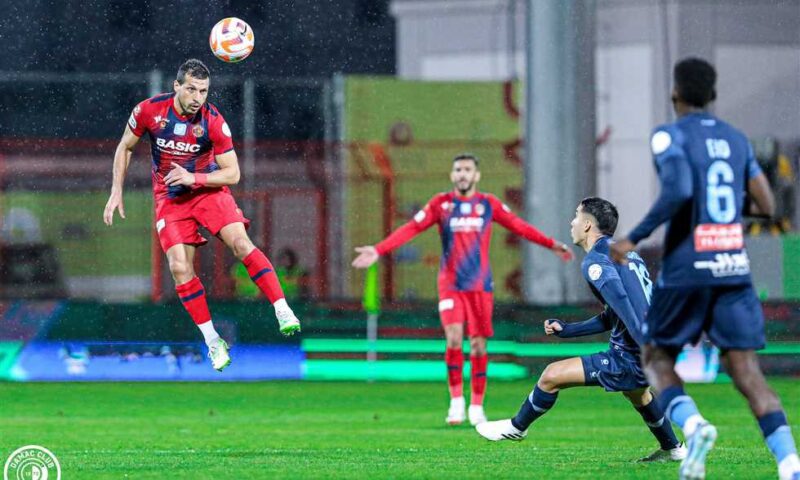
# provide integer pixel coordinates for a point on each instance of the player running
(705, 168)
(464, 217)
(193, 164)
(625, 292)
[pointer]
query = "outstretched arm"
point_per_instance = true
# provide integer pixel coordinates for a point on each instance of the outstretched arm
(505, 217)
(561, 329)
(424, 219)
(122, 158)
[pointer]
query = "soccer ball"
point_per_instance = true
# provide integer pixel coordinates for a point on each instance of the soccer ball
(231, 40)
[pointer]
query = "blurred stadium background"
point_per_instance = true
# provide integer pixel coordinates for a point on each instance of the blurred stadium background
(345, 119)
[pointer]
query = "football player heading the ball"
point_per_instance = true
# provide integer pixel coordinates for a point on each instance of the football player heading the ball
(193, 165)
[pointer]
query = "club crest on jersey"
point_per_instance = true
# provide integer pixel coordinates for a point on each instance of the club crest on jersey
(179, 129)
(179, 146)
(198, 131)
(480, 209)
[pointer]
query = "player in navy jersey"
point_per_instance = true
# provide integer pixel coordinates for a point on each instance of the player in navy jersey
(625, 293)
(708, 177)
(193, 164)
(464, 217)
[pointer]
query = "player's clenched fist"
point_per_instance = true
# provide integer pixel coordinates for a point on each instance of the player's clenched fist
(552, 326)
(366, 256)
(179, 176)
(114, 203)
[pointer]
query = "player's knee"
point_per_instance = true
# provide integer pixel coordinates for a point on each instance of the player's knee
(550, 378)
(181, 270)
(453, 342)
(638, 397)
(477, 346)
(242, 246)
(657, 359)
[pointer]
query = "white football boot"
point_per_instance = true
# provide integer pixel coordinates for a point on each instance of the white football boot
(500, 430)
(693, 467)
(476, 415)
(288, 324)
(676, 454)
(218, 353)
(789, 468)
(456, 414)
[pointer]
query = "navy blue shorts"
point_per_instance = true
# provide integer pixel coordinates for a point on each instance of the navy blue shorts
(730, 315)
(615, 370)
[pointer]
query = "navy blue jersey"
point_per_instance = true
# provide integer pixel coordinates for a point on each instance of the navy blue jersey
(704, 166)
(625, 291)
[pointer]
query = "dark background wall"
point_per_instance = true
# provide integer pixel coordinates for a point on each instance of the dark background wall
(294, 38)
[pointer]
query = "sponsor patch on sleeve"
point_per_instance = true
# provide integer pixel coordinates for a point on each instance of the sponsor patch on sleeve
(132, 121)
(660, 142)
(420, 216)
(226, 129)
(595, 271)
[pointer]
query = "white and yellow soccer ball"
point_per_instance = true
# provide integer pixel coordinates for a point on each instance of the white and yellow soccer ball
(231, 40)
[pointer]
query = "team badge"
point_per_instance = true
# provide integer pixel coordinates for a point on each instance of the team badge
(179, 129)
(198, 131)
(480, 209)
(660, 142)
(595, 271)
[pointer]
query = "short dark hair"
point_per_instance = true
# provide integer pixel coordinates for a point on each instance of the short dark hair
(194, 68)
(694, 80)
(604, 212)
(466, 156)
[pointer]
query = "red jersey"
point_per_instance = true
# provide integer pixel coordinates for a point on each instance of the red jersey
(465, 226)
(190, 141)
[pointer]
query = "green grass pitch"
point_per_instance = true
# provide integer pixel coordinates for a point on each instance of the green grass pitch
(354, 430)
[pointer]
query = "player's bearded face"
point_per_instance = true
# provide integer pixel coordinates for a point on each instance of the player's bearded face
(191, 94)
(465, 176)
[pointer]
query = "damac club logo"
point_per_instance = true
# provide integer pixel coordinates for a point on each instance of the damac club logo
(198, 131)
(32, 462)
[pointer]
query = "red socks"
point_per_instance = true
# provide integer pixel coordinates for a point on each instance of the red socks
(454, 359)
(478, 379)
(263, 275)
(193, 297)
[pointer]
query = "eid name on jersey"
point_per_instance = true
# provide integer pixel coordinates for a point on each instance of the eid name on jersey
(179, 146)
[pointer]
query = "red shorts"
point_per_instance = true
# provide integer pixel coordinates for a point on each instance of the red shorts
(474, 308)
(177, 219)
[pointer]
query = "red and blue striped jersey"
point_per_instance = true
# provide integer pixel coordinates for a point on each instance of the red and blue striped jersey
(465, 227)
(190, 141)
